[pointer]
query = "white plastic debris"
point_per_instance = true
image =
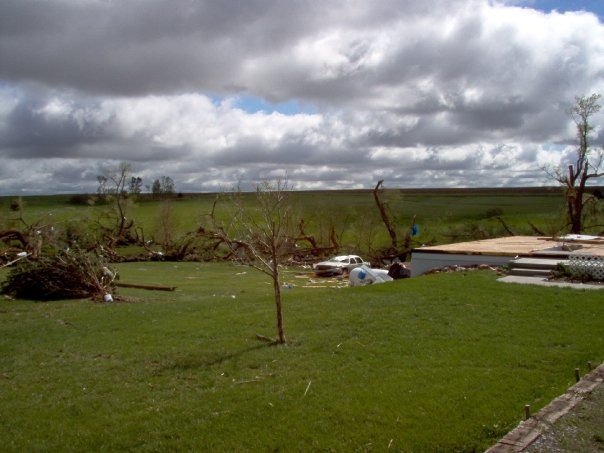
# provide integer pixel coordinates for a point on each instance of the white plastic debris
(107, 272)
(107, 298)
(363, 275)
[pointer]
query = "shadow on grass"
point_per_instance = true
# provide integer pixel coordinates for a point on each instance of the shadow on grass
(202, 359)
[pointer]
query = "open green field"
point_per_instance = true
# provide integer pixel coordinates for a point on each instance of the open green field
(443, 215)
(438, 363)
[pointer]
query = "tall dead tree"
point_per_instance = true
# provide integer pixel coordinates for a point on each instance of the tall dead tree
(588, 164)
(384, 214)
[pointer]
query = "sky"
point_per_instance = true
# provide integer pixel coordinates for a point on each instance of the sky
(329, 94)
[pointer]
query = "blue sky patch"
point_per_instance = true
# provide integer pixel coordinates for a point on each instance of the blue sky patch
(595, 6)
(253, 104)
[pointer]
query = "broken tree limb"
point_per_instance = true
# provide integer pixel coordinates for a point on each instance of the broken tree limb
(505, 226)
(384, 214)
(306, 237)
(265, 338)
(15, 260)
(536, 230)
(150, 287)
(9, 235)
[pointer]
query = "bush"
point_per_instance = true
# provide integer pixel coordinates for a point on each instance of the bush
(81, 200)
(16, 205)
(493, 212)
(565, 272)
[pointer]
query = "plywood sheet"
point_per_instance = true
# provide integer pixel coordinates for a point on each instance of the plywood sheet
(511, 246)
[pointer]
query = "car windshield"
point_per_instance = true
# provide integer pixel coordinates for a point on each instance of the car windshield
(339, 259)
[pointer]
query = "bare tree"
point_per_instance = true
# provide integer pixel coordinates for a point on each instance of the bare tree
(398, 248)
(119, 177)
(115, 190)
(166, 224)
(588, 164)
(136, 185)
(383, 208)
(163, 187)
(102, 188)
(260, 236)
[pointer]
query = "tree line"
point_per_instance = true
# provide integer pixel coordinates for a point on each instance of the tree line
(121, 182)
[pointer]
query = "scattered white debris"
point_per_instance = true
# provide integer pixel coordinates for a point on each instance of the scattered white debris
(363, 275)
(107, 272)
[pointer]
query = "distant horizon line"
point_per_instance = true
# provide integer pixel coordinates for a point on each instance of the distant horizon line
(400, 189)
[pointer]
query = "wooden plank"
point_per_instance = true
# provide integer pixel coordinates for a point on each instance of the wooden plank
(150, 287)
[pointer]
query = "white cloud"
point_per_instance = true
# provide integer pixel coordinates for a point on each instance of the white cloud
(422, 93)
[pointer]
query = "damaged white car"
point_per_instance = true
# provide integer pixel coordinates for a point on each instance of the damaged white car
(338, 265)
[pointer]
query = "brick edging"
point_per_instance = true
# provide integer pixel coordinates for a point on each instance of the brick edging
(528, 431)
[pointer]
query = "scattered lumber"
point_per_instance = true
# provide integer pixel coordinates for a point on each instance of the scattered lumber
(150, 287)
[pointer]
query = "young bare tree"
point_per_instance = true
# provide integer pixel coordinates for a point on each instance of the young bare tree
(588, 164)
(259, 235)
(166, 224)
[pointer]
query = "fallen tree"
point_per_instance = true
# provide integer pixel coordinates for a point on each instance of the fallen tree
(71, 274)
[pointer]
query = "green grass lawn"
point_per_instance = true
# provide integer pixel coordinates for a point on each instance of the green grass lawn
(437, 363)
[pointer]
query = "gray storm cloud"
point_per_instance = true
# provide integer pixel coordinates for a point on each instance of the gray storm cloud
(420, 93)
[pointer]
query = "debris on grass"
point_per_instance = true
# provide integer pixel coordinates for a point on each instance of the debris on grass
(68, 274)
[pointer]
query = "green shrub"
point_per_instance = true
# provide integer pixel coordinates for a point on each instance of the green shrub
(16, 205)
(81, 200)
(493, 212)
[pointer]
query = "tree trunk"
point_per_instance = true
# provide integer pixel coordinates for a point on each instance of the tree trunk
(384, 215)
(277, 288)
(574, 201)
(333, 238)
(577, 213)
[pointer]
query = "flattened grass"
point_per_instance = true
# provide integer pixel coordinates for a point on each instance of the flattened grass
(437, 363)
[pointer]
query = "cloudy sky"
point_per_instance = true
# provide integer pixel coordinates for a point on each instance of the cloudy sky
(332, 93)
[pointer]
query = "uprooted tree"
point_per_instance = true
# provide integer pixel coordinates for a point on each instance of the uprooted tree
(588, 164)
(260, 235)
